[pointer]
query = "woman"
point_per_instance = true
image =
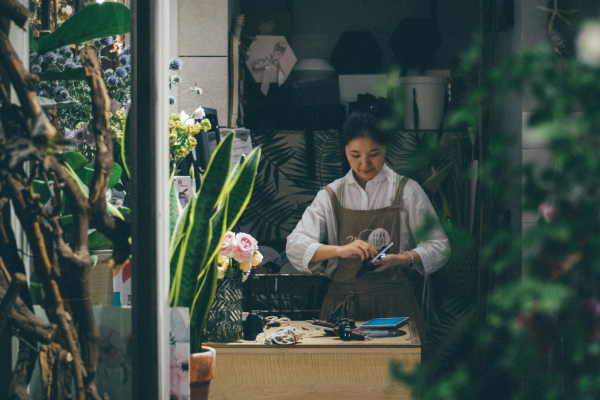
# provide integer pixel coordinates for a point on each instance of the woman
(357, 216)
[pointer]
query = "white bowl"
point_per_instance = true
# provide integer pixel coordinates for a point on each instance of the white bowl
(313, 69)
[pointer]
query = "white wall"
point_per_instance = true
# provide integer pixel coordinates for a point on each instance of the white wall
(202, 44)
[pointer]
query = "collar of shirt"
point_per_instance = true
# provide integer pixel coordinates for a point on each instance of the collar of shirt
(386, 173)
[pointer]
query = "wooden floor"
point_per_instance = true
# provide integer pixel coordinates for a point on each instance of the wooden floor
(321, 367)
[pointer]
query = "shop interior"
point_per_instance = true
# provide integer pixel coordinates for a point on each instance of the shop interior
(258, 94)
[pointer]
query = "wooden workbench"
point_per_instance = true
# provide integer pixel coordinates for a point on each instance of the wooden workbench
(320, 367)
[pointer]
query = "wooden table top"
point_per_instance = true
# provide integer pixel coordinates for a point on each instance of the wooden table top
(316, 338)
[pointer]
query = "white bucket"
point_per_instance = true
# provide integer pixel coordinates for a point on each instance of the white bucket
(430, 92)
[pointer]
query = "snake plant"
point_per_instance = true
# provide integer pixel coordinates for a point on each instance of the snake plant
(198, 230)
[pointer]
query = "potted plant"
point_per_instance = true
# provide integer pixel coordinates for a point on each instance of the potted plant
(197, 232)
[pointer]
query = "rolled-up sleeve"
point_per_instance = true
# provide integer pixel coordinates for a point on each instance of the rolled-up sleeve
(433, 246)
(309, 234)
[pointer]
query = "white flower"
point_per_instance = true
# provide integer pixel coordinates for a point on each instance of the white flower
(186, 119)
(114, 106)
(199, 113)
(588, 44)
(245, 266)
(223, 269)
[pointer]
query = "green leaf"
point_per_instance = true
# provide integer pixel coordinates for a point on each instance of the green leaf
(126, 145)
(207, 282)
(177, 241)
(32, 44)
(39, 187)
(241, 189)
(87, 172)
(66, 75)
(219, 228)
(92, 22)
(82, 186)
(124, 210)
(66, 220)
(205, 295)
(75, 160)
(114, 211)
(237, 170)
(86, 191)
(115, 175)
(195, 248)
(96, 239)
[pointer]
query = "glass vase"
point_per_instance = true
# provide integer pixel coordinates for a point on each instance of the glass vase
(224, 323)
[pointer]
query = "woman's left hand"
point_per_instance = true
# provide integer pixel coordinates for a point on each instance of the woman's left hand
(391, 260)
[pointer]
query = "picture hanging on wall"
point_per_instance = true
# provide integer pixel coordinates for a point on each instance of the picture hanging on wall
(270, 60)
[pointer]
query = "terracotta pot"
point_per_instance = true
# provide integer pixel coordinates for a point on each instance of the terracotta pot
(202, 371)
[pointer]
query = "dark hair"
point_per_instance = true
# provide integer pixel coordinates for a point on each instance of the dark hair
(364, 123)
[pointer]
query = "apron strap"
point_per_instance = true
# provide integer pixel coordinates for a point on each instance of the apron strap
(401, 184)
(334, 200)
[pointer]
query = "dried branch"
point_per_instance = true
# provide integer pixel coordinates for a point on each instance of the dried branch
(24, 84)
(9, 297)
(80, 209)
(113, 228)
(15, 11)
(4, 99)
(22, 373)
(79, 259)
(14, 311)
(27, 208)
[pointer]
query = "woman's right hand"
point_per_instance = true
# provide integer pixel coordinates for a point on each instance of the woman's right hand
(357, 249)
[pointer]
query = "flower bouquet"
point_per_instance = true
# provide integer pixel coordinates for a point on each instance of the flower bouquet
(182, 129)
(237, 256)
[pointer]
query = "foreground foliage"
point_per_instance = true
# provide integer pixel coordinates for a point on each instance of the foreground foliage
(540, 338)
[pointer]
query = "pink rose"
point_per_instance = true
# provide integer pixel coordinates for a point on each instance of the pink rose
(246, 246)
(549, 212)
(228, 245)
(199, 113)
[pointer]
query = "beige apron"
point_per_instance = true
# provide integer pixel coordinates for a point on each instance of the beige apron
(378, 294)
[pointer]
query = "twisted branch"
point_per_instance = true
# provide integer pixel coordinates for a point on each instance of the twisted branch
(14, 11)
(113, 228)
(27, 208)
(24, 84)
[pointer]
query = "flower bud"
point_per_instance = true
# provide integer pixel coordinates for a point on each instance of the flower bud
(246, 266)
(256, 258)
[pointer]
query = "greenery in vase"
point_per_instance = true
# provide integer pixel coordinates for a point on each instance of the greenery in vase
(540, 338)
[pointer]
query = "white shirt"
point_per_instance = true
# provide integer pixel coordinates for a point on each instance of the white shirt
(318, 227)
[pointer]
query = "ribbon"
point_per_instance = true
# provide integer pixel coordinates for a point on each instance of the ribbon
(271, 67)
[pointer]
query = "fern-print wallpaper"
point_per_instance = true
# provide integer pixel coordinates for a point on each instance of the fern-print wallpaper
(283, 187)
